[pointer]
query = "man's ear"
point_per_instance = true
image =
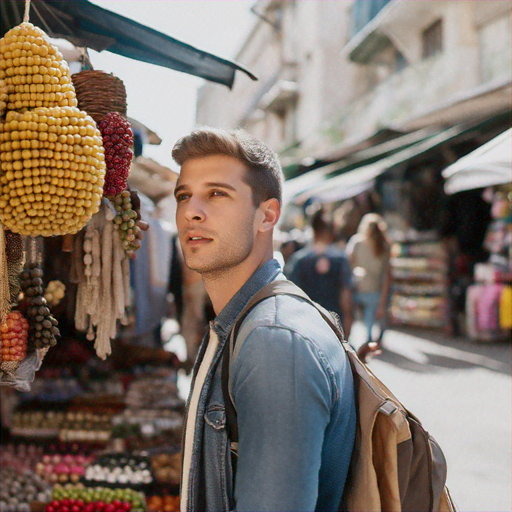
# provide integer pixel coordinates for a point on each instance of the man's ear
(271, 210)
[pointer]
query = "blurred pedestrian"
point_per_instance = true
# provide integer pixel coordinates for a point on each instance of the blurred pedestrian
(323, 271)
(368, 252)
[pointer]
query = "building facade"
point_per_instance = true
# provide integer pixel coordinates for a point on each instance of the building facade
(334, 73)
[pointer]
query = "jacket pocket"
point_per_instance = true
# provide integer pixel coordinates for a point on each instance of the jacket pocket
(215, 416)
(219, 474)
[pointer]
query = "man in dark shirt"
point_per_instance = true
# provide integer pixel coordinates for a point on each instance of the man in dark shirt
(323, 272)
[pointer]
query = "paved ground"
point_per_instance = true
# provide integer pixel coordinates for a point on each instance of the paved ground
(462, 392)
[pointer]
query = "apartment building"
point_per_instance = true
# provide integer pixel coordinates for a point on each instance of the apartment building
(335, 73)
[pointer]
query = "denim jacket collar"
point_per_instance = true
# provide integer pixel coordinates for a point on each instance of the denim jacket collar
(261, 277)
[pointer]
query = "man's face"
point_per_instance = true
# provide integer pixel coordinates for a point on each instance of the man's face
(215, 213)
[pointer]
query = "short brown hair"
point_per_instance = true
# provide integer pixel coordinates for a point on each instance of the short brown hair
(264, 176)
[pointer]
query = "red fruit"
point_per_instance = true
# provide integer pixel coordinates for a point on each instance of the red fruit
(109, 508)
(75, 508)
(126, 506)
(13, 337)
(65, 503)
(49, 508)
(64, 508)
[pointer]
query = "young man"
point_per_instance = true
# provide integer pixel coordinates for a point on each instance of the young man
(290, 379)
(323, 271)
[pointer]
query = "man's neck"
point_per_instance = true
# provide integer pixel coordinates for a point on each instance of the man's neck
(321, 243)
(222, 286)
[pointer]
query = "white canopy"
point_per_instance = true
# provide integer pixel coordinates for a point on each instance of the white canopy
(490, 164)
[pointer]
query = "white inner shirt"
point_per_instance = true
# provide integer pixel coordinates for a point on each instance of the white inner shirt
(195, 393)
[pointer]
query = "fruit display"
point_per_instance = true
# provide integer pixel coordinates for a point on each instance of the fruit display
(165, 503)
(86, 426)
(117, 141)
(20, 489)
(52, 171)
(62, 469)
(118, 469)
(20, 457)
(34, 70)
(126, 223)
(43, 326)
(167, 467)
(37, 423)
(154, 392)
(54, 292)
(66, 426)
(13, 340)
(92, 506)
(101, 497)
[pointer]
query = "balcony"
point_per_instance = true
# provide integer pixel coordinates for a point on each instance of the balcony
(282, 94)
(390, 23)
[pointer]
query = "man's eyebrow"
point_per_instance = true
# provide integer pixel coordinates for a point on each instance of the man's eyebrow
(212, 184)
(178, 188)
(220, 185)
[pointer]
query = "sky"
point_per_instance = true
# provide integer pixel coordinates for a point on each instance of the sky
(161, 98)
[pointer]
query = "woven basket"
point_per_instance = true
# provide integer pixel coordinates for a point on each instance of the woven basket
(99, 93)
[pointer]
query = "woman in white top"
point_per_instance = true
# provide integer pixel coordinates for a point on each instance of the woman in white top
(368, 252)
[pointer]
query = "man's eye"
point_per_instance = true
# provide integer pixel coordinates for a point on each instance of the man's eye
(218, 193)
(182, 197)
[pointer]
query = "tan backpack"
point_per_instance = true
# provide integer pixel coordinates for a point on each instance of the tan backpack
(396, 465)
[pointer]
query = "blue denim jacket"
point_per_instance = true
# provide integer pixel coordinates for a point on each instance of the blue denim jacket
(292, 387)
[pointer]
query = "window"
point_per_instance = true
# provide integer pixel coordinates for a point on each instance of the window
(363, 11)
(432, 39)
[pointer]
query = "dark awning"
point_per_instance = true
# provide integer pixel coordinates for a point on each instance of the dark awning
(88, 25)
(353, 181)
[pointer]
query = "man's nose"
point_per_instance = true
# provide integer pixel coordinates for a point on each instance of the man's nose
(194, 211)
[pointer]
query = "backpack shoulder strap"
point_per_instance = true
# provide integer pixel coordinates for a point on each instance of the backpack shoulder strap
(281, 287)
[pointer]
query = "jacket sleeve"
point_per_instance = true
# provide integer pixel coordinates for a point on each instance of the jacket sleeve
(283, 397)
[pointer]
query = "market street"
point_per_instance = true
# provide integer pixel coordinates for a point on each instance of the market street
(461, 391)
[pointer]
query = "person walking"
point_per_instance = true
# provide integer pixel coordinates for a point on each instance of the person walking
(368, 253)
(290, 379)
(322, 270)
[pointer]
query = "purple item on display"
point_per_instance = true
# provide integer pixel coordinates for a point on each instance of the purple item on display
(488, 308)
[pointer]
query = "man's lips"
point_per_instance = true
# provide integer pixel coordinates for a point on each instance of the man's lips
(196, 239)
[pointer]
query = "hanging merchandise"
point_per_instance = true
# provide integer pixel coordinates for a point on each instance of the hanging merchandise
(489, 299)
(99, 93)
(52, 178)
(117, 140)
(103, 97)
(101, 270)
(52, 164)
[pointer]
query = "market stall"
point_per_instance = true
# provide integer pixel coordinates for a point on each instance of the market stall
(487, 171)
(97, 424)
